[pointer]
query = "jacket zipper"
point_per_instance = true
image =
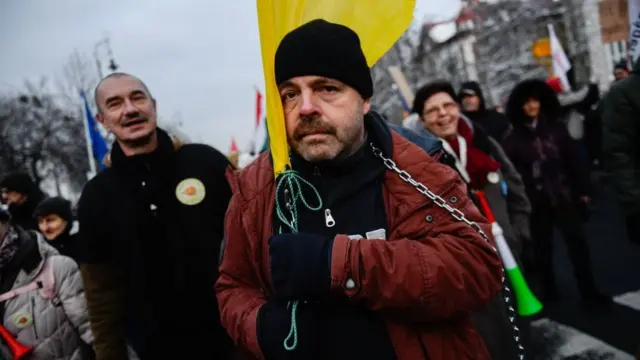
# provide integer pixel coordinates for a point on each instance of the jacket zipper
(33, 316)
(328, 219)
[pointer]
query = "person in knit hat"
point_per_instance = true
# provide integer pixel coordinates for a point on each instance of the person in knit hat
(342, 257)
(22, 195)
(55, 221)
(621, 70)
(474, 106)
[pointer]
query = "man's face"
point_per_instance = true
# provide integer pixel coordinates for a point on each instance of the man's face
(620, 74)
(471, 103)
(441, 115)
(12, 197)
(126, 109)
(51, 226)
(532, 108)
(324, 117)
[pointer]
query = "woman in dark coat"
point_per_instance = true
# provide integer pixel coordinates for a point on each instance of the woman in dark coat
(55, 222)
(556, 182)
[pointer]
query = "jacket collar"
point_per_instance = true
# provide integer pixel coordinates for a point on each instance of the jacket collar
(166, 144)
(377, 132)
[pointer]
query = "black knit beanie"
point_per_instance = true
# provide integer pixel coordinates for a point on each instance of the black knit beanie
(54, 206)
(325, 49)
(19, 182)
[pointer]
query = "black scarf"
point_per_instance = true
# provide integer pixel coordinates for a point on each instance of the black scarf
(9, 247)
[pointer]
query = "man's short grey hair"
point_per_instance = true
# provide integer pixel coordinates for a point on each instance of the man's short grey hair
(113, 76)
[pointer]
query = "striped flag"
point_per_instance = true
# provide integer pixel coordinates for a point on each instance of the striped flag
(234, 146)
(260, 133)
(560, 60)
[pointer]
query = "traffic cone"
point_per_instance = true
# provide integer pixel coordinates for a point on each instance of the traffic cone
(526, 301)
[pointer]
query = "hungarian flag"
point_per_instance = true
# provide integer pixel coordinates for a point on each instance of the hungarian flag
(560, 61)
(234, 146)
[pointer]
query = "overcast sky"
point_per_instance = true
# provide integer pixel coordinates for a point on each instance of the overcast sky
(201, 59)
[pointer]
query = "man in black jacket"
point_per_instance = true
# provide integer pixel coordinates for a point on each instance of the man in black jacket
(475, 108)
(620, 151)
(151, 225)
(22, 195)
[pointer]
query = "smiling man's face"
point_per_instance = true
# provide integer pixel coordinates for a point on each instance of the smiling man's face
(126, 109)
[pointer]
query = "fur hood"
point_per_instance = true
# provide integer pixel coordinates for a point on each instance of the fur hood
(550, 106)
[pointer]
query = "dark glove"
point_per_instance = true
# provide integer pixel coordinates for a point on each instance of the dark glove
(300, 266)
(274, 323)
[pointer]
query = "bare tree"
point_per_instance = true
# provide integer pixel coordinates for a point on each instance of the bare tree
(42, 136)
(78, 75)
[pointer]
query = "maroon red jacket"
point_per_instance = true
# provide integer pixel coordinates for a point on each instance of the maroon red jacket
(425, 280)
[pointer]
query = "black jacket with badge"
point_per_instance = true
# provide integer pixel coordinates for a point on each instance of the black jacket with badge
(151, 226)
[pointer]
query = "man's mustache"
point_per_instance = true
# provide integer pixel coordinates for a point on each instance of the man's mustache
(133, 118)
(312, 126)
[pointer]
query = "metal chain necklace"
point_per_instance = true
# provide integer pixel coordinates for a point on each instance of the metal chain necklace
(458, 215)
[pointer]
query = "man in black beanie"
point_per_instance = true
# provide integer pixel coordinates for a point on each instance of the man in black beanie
(621, 70)
(475, 108)
(22, 196)
(353, 259)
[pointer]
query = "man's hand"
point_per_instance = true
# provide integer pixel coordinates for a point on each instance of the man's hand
(300, 266)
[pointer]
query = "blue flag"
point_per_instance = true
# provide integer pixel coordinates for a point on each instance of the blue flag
(98, 145)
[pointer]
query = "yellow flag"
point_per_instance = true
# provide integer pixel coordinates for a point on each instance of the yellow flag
(378, 23)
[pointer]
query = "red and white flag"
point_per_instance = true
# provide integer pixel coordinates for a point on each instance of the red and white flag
(560, 60)
(260, 132)
(234, 146)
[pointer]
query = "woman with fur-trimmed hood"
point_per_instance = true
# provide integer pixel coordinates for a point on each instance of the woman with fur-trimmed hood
(543, 152)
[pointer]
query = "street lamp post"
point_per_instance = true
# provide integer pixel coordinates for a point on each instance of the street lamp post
(96, 55)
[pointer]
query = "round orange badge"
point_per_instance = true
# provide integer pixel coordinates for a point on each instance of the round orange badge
(190, 191)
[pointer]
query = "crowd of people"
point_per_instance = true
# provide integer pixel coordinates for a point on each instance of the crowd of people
(371, 246)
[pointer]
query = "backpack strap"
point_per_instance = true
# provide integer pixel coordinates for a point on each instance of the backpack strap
(45, 282)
